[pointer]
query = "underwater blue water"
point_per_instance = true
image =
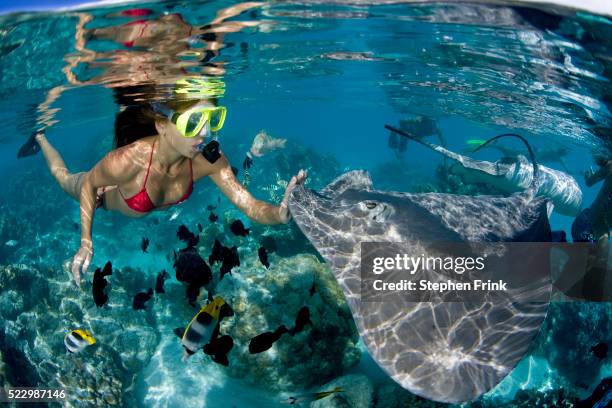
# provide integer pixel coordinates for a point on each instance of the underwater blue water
(325, 76)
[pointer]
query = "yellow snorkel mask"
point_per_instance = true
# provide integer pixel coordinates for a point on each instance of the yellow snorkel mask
(191, 122)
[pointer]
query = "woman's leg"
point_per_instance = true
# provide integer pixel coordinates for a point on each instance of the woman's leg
(69, 182)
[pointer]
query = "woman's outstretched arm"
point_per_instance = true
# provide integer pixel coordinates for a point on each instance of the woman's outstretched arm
(257, 210)
(116, 168)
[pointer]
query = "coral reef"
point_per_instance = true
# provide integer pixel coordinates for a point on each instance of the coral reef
(127, 339)
(570, 330)
(558, 398)
(36, 320)
(266, 299)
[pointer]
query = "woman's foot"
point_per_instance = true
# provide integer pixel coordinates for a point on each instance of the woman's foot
(30, 147)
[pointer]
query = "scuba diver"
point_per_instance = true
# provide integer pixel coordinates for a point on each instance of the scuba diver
(592, 226)
(160, 152)
(600, 211)
(262, 144)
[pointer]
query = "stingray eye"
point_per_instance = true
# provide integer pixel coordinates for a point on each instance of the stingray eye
(370, 205)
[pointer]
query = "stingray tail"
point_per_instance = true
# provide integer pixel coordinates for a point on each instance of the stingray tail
(536, 171)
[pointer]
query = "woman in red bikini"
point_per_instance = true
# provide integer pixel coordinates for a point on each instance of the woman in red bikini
(157, 170)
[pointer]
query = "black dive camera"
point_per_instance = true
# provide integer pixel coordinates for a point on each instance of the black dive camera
(211, 151)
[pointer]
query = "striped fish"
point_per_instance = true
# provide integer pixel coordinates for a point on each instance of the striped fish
(77, 340)
(203, 329)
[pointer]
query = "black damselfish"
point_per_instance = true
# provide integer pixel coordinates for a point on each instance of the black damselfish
(159, 282)
(237, 227)
(191, 268)
(212, 217)
(144, 244)
(227, 256)
(263, 257)
(264, 341)
(187, 236)
(302, 319)
(230, 259)
(217, 252)
(100, 284)
(140, 300)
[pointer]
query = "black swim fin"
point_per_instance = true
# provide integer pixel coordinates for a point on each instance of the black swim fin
(29, 148)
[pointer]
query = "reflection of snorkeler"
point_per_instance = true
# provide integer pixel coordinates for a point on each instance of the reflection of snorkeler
(158, 170)
(158, 51)
(157, 48)
(262, 143)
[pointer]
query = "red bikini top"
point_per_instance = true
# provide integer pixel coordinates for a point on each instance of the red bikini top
(142, 23)
(141, 202)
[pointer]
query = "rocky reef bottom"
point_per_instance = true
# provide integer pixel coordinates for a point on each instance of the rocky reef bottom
(137, 358)
(137, 355)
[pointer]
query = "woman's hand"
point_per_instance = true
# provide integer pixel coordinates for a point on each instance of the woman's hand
(283, 211)
(81, 260)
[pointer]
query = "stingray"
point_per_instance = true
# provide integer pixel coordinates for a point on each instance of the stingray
(512, 174)
(444, 351)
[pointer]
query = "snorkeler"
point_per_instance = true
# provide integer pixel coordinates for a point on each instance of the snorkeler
(156, 171)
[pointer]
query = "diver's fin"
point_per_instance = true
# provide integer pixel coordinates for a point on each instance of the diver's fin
(475, 142)
(179, 331)
(29, 148)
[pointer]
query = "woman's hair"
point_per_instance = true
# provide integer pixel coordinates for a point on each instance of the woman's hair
(137, 120)
(134, 123)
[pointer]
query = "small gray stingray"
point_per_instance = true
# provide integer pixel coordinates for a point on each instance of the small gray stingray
(447, 352)
(514, 174)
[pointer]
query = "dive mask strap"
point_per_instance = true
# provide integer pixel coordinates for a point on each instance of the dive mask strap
(163, 110)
